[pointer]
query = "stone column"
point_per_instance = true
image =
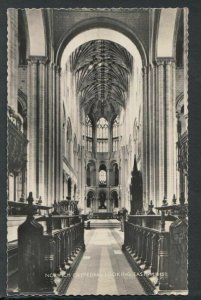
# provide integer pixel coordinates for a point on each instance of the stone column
(83, 176)
(156, 132)
(153, 137)
(161, 131)
(110, 138)
(57, 139)
(41, 128)
(166, 129)
(79, 185)
(12, 43)
(36, 125)
(32, 126)
(151, 134)
(168, 125)
(50, 134)
(170, 142)
(60, 136)
(93, 140)
(145, 154)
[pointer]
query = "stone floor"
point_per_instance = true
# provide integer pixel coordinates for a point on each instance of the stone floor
(104, 269)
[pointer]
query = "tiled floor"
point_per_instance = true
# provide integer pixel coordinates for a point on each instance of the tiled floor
(104, 269)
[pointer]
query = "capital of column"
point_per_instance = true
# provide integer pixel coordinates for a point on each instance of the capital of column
(164, 60)
(37, 59)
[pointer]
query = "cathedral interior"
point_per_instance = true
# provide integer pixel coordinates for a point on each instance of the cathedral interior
(97, 126)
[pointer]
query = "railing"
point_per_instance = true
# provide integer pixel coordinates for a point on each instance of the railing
(143, 243)
(160, 254)
(48, 253)
(101, 215)
(151, 221)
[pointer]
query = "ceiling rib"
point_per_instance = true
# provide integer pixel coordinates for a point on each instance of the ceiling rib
(102, 70)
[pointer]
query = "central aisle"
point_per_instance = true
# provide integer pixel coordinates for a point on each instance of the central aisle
(104, 269)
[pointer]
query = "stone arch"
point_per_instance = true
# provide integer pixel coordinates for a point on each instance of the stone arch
(178, 46)
(91, 173)
(114, 177)
(105, 23)
(23, 38)
(114, 198)
(90, 198)
(165, 38)
(102, 195)
(36, 29)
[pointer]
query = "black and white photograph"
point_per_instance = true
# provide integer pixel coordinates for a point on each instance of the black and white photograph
(97, 151)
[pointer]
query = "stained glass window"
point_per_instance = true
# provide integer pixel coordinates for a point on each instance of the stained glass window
(102, 135)
(102, 177)
(115, 134)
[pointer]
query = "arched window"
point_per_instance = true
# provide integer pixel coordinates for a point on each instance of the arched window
(116, 175)
(102, 135)
(69, 187)
(90, 198)
(114, 197)
(115, 134)
(89, 135)
(114, 172)
(102, 175)
(88, 175)
(91, 174)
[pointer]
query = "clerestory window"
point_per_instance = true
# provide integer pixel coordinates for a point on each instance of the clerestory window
(89, 134)
(115, 134)
(102, 135)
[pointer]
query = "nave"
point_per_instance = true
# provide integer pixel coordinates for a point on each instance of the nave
(104, 268)
(97, 136)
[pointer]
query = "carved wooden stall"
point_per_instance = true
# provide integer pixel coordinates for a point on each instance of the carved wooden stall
(48, 253)
(17, 143)
(159, 255)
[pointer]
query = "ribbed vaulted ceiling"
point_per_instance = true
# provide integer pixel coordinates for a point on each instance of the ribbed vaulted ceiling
(102, 71)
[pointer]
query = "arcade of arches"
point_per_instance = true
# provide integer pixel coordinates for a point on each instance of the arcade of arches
(89, 100)
(97, 108)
